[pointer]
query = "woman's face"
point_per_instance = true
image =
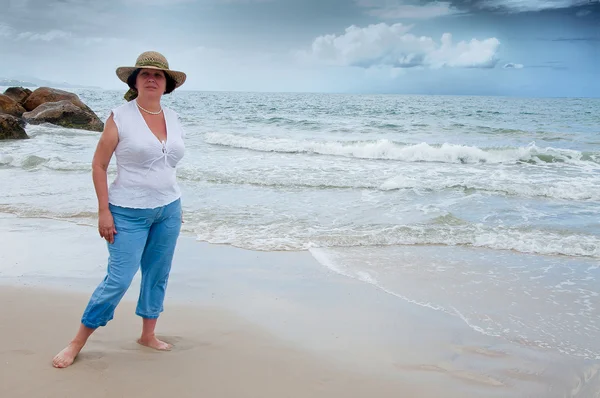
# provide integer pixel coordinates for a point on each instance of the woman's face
(151, 82)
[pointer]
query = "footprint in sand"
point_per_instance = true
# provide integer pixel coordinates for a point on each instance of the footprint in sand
(178, 343)
(182, 344)
(91, 355)
(97, 364)
(92, 359)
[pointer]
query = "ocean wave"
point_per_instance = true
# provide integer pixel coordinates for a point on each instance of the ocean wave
(583, 187)
(292, 236)
(389, 150)
(506, 184)
(574, 188)
(34, 130)
(85, 217)
(308, 181)
(282, 121)
(35, 162)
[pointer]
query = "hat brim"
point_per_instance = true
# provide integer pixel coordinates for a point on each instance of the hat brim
(123, 72)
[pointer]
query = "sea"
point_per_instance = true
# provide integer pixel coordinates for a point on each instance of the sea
(483, 208)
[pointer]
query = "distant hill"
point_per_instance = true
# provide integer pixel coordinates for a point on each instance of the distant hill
(19, 83)
(27, 81)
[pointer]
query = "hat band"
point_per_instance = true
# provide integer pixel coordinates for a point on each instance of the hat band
(156, 64)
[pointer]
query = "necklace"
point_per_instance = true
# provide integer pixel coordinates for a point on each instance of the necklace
(147, 111)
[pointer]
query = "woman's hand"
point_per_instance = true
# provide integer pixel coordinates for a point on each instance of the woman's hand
(106, 226)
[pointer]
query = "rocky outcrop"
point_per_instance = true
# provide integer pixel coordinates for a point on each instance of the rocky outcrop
(43, 95)
(44, 105)
(64, 113)
(11, 128)
(10, 106)
(19, 94)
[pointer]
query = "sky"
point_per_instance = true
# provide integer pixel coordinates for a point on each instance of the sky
(531, 48)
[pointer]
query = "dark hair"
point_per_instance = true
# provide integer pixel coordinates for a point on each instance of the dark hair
(133, 77)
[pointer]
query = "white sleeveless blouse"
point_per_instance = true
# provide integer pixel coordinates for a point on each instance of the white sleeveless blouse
(146, 167)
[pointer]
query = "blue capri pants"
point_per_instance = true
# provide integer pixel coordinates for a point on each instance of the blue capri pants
(146, 239)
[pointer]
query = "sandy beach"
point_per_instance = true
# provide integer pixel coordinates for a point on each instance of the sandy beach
(247, 324)
(215, 354)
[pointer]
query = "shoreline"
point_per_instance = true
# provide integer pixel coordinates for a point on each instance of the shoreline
(215, 353)
(324, 320)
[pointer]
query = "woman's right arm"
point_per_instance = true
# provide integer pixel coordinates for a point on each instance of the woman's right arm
(104, 151)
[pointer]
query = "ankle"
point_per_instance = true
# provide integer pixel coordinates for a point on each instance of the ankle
(77, 343)
(148, 336)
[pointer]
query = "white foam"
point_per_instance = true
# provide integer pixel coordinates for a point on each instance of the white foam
(34, 162)
(388, 150)
(5, 159)
(296, 236)
(542, 183)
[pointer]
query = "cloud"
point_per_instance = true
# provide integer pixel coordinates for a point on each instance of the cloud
(528, 5)
(17, 4)
(51, 35)
(48, 36)
(554, 65)
(157, 2)
(386, 9)
(512, 65)
(172, 2)
(6, 31)
(577, 39)
(428, 9)
(21, 38)
(583, 13)
(83, 16)
(219, 69)
(393, 46)
(243, 1)
(548, 67)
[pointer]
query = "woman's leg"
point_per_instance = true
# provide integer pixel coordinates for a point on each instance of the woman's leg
(125, 253)
(156, 266)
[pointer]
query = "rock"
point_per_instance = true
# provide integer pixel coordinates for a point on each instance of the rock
(19, 94)
(49, 105)
(64, 113)
(10, 106)
(46, 94)
(11, 128)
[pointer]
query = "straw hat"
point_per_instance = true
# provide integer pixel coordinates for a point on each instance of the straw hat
(151, 60)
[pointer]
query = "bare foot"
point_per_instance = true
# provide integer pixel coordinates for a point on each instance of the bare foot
(67, 355)
(155, 343)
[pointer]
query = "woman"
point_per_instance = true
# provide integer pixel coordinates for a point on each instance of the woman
(140, 215)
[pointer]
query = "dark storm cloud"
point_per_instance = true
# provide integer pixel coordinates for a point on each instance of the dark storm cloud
(427, 9)
(578, 39)
(516, 6)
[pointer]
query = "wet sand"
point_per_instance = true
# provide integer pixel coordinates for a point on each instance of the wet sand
(247, 324)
